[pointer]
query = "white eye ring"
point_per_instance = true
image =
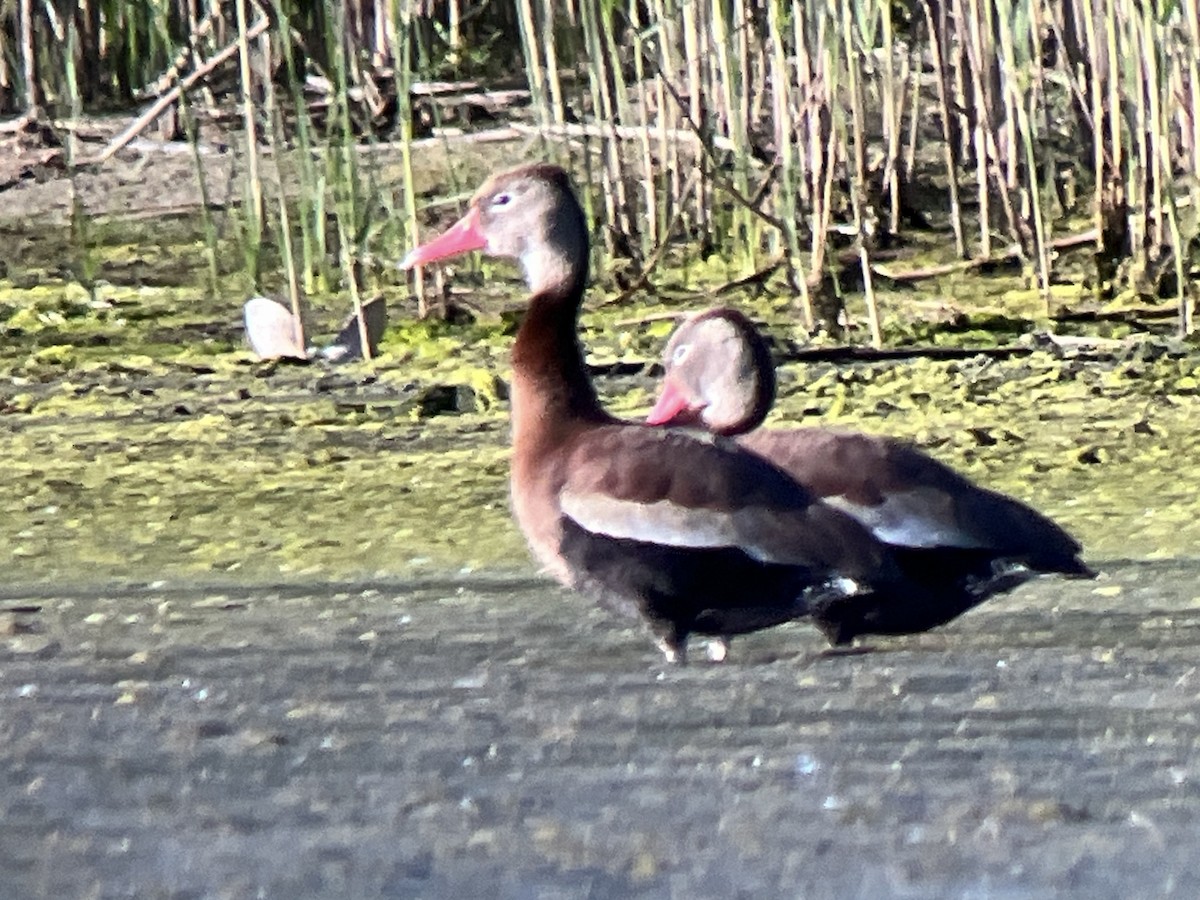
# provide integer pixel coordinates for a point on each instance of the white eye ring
(680, 354)
(501, 199)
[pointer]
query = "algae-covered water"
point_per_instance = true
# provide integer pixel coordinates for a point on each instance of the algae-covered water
(142, 441)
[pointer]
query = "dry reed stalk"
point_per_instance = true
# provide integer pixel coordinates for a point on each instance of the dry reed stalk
(1019, 82)
(891, 111)
(1189, 111)
(951, 100)
(967, 27)
(695, 70)
(852, 52)
(909, 155)
(817, 85)
(726, 71)
(400, 38)
(616, 97)
(276, 140)
(651, 233)
(533, 60)
(1158, 178)
(553, 82)
(667, 64)
(250, 137)
(1114, 209)
(598, 79)
(1094, 103)
(804, 106)
(785, 141)
(1131, 39)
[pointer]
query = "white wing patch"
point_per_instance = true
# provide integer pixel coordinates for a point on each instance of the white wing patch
(672, 525)
(919, 518)
(661, 522)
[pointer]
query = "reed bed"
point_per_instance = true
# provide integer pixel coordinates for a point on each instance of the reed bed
(795, 139)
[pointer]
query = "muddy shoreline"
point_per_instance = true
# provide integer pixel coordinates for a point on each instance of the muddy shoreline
(502, 739)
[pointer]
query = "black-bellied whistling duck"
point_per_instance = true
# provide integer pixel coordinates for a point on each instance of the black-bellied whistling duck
(693, 534)
(962, 542)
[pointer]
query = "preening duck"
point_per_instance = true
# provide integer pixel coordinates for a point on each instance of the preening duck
(960, 542)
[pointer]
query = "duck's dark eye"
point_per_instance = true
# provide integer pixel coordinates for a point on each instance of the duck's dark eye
(501, 199)
(680, 353)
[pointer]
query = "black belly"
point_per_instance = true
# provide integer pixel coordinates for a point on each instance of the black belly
(683, 590)
(940, 585)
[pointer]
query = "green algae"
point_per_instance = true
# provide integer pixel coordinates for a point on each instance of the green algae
(139, 440)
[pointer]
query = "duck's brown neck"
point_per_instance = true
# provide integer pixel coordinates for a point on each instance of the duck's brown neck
(551, 389)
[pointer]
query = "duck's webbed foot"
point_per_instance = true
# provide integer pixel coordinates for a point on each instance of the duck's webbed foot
(717, 649)
(673, 644)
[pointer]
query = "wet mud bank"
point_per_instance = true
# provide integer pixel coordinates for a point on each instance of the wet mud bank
(497, 737)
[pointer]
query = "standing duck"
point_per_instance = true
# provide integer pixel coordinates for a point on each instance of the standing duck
(693, 534)
(961, 542)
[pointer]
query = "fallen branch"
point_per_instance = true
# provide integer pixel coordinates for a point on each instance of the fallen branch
(1131, 314)
(438, 88)
(962, 265)
(1094, 348)
(1012, 254)
(856, 353)
(643, 278)
(1098, 348)
(757, 277)
(1069, 241)
(650, 318)
(138, 125)
(164, 81)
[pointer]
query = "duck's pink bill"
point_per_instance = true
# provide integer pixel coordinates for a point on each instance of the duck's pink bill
(671, 403)
(463, 236)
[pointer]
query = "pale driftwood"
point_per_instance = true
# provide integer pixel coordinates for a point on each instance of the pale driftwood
(624, 132)
(490, 101)
(446, 136)
(434, 88)
(20, 123)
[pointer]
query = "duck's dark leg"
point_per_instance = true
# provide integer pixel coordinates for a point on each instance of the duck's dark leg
(671, 638)
(839, 632)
